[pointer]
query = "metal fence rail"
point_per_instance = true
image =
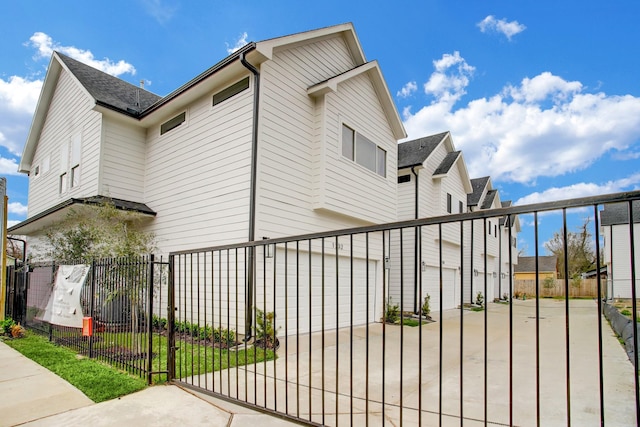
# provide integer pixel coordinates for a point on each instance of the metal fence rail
(332, 328)
(126, 300)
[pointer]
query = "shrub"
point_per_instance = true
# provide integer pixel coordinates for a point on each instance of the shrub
(6, 325)
(392, 312)
(265, 329)
(549, 282)
(479, 299)
(426, 306)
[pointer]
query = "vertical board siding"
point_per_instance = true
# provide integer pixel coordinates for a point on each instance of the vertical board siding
(69, 113)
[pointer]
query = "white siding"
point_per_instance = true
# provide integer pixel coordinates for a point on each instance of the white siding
(69, 115)
(618, 255)
(123, 161)
(296, 133)
(198, 175)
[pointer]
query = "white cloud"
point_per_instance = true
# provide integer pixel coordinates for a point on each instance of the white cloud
(451, 77)
(242, 40)
(8, 166)
(407, 90)
(161, 11)
(509, 29)
(545, 126)
(45, 46)
(11, 223)
(583, 189)
(19, 94)
(16, 208)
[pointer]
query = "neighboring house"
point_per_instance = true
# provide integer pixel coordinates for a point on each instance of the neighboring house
(616, 229)
(498, 235)
(508, 228)
(432, 181)
(261, 144)
(526, 268)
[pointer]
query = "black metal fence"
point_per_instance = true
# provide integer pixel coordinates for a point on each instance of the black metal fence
(120, 308)
(410, 323)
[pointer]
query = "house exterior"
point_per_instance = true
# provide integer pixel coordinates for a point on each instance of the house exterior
(259, 145)
(618, 244)
(433, 181)
(526, 268)
(497, 261)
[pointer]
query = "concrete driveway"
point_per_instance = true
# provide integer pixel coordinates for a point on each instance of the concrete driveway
(375, 372)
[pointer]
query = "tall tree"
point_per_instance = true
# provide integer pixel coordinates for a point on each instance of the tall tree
(579, 248)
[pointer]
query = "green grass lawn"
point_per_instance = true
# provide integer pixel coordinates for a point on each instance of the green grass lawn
(97, 380)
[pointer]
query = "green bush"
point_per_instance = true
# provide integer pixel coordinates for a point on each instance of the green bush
(479, 299)
(392, 312)
(6, 325)
(426, 306)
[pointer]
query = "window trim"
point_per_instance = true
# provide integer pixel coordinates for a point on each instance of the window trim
(173, 123)
(230, 91)
(378, 151)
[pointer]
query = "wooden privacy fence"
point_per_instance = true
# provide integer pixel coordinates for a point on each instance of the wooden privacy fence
(577, 288)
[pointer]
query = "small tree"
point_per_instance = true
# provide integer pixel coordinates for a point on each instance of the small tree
(426, 306)
(101, 231)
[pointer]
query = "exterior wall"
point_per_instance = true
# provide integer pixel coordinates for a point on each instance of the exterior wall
(617, 250)
(69, 115)
(123, 161)
(300, 157)
(198, 175)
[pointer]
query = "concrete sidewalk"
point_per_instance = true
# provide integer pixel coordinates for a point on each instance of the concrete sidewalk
(34, 396)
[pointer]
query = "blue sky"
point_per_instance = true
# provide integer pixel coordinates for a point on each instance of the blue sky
(542, 96)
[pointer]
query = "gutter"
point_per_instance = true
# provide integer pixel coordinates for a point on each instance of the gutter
(415, 247)
(252, 196)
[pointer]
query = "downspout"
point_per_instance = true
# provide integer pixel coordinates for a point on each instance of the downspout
(252, 197)
(415, 248)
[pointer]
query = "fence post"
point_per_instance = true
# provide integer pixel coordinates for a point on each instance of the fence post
(150, 319)
(171, 319)
(92, 306)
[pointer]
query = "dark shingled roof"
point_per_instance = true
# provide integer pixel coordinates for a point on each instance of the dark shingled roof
(447, 163)
(109, 90)
(415, 152)
(527, 264)
(488, 199)
(618, 213)
(506, 203)
(478, 185)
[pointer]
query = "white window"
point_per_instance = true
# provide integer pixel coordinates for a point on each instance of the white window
(63, 183)
(75, 176)
(365, 152)
(76, 153)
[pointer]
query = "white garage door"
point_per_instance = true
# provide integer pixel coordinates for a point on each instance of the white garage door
(305, 296)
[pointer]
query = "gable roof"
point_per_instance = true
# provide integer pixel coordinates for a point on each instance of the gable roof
(527, 264)
(488, 199)
(108, 90)
(447, 163)
(478, 185)
(618, 213)
(417, 151)
(373, 70)
(113, 94)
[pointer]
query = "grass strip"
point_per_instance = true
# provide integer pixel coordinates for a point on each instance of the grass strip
(98, 381)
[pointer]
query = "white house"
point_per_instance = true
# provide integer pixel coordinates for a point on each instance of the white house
(433, 181)
(616, 229)
(286, 136)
